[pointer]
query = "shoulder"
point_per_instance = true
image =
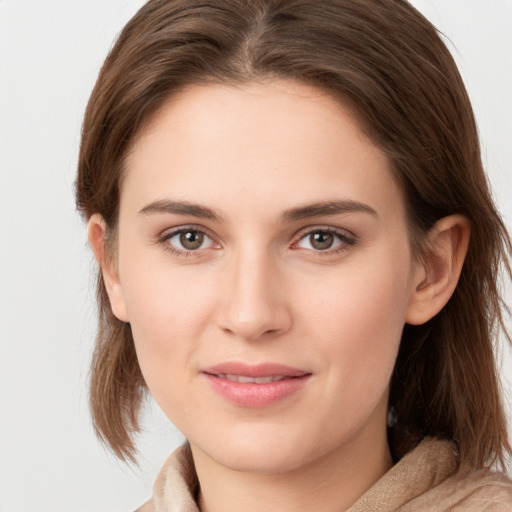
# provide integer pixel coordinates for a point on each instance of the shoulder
(427, 479)
(147, 507)
(176, 485)
(482, 491)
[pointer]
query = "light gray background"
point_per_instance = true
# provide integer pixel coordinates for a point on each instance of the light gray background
(50, 54)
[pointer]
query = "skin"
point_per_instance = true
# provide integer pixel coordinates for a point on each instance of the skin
(259, 289)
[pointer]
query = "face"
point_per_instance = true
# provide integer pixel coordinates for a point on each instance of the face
(264, 266)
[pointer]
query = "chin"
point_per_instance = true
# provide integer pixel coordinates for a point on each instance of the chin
(261, 452)
(264, 459)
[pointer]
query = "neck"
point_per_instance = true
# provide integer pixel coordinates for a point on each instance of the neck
(332, 482)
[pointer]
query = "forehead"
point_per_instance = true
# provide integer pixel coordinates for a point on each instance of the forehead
(280, 143)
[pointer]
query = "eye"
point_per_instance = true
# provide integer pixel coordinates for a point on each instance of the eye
(188, 240)
(325, 240)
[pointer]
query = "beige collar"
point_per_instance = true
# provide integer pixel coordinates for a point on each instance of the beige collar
(424, 479)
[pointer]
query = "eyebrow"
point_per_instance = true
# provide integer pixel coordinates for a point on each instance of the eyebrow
(291, 215)
(326, 208)
(180, 208)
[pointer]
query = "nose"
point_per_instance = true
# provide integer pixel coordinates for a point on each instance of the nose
(254, 304)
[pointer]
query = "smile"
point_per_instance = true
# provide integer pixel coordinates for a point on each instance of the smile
(255, 386)
(253, 380)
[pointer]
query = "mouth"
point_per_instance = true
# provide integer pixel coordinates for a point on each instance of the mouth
(253, 380)
(255, 386)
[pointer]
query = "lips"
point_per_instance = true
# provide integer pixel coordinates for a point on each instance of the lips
(254, 380)
(255, 386)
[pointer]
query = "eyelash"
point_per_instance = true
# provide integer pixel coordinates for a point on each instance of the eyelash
(346, 240)
(167, 235)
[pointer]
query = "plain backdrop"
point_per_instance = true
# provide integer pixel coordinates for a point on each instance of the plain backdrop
(50, 54)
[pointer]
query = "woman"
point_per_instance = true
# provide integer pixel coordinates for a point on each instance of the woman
(299, 258)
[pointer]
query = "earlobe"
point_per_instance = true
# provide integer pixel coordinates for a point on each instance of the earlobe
(97, 231)
(437, 275)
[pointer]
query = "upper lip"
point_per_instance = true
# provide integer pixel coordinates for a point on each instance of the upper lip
(255, 370)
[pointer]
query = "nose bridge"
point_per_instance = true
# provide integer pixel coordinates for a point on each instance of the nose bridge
(253, 303)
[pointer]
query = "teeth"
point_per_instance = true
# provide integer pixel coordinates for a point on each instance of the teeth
(252, 380)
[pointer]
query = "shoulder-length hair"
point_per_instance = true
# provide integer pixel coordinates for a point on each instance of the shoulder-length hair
(388, 64)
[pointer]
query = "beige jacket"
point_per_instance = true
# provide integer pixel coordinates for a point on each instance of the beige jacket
(424, 480)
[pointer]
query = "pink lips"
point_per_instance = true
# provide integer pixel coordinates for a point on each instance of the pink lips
(255, 386)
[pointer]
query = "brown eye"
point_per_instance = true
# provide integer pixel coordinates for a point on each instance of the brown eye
(325, 240)
(321, 240)
(191, 240)
(187, 241)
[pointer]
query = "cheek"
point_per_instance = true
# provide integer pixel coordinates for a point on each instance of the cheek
(358, 321)
(168, 311)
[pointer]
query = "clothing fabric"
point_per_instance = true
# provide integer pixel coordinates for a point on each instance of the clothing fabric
(424, 480)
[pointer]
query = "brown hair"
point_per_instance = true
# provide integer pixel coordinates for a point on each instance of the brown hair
(383, 59)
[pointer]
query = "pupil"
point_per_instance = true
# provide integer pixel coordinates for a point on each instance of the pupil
(322, 240)
(191, 240)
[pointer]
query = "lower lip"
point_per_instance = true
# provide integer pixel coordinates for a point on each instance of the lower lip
(248, 394)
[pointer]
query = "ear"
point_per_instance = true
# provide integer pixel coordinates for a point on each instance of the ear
(437, 275)
(97, 232)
